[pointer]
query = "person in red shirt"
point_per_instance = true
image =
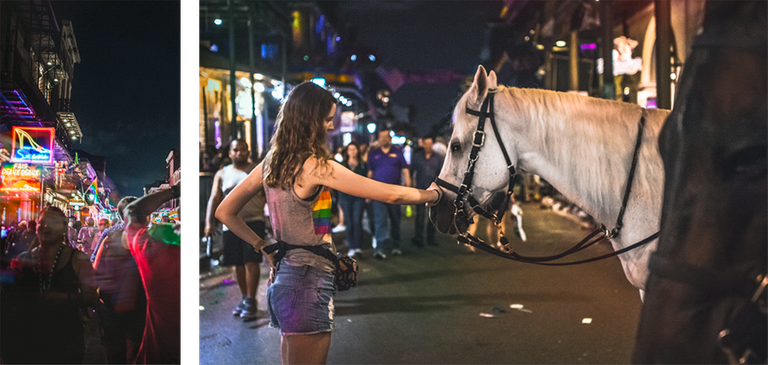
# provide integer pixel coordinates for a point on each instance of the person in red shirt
(160, 270)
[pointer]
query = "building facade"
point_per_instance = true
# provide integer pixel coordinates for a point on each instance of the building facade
(38, 53)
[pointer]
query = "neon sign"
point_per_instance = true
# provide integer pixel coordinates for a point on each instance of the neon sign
(20, 178)
(32, 145)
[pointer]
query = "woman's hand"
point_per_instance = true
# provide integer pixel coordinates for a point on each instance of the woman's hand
(435, 188)
(270, 258)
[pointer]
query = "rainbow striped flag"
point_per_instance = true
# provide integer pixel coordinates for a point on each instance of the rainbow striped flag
(321, 213)
(94, 186)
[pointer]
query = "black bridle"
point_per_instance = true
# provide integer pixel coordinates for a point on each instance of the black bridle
(498, 207)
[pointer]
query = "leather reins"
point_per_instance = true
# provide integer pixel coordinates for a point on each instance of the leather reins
(497, 210)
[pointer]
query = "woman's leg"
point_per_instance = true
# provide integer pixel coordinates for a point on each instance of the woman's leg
(305, 349)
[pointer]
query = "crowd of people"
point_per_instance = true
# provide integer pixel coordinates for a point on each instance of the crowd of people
(57, 273)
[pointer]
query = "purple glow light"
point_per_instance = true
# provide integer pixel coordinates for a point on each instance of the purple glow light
(588, 46)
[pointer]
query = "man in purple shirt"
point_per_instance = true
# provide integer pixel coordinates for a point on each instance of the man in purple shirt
(387, 164)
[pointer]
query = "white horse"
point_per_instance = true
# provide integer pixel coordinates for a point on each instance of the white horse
(582, 146)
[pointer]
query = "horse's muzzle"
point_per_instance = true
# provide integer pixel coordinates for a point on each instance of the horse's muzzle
(443, 213)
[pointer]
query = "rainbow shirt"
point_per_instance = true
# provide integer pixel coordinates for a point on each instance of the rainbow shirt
(321, 213)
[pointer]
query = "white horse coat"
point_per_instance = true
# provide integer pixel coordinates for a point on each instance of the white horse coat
(582, 146)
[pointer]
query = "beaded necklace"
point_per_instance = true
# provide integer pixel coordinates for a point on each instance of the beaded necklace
(45, 286)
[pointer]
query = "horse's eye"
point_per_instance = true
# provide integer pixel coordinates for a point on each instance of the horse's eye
(748, 163)
(455, 147)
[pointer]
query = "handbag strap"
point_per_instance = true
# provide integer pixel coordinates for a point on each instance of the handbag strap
(283, 247)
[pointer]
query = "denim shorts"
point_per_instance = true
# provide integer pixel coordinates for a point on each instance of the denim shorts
(300, 301)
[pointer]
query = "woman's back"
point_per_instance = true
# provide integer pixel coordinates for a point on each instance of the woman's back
(301, 222)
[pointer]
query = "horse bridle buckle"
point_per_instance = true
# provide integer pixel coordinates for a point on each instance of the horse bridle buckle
(478, 139)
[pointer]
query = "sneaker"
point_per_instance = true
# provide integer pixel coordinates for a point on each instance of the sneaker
(338, 229)
(249, 308)
(397, 252)
(358, 254)
(379, 255)
(351, 252)
(239, 308)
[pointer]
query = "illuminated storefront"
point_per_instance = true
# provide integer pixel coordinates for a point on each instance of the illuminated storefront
(252, 101)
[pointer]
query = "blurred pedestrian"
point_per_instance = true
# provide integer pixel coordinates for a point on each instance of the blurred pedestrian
(3, 238)
(42, 311)
(122, 306)
(387, 164)
(103, 225)
(239, 253)
(296, 175)
(18, 241)
(12, 235)
(368, 208)
(159, 266)
(425, 166)
(363, 153)
(86, 235)
(492, 231)
(353, 206)
(72, 231)
(29, 235)
(221, 158)
(76, 242)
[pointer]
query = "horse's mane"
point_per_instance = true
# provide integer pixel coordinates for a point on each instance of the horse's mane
(591, 139)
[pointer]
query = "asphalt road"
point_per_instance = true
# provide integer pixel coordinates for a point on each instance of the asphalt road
(443, 305)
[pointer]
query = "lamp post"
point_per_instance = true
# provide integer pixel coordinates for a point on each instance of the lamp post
(663, 64)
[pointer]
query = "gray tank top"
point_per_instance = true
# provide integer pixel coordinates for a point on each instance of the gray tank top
(301, 222)
(254, 209)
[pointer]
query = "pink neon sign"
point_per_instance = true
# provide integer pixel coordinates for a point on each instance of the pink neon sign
(32, 145)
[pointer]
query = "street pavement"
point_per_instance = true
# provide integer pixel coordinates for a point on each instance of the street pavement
(444, 305)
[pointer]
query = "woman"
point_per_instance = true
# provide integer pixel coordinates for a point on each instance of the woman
(296, 175)
(353, 206)
(41, 310)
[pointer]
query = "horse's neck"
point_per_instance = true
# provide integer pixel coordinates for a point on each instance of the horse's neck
(578, 160)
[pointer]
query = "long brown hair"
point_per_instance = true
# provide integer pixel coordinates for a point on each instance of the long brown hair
(300, 134)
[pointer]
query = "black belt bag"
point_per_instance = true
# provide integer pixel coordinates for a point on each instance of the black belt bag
(346, 267)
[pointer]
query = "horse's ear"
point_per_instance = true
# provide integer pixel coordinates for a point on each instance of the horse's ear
(479, 87)
(492, 81)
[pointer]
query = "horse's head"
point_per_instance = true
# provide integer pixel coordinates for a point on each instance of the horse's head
(490, 176)
(712, 248)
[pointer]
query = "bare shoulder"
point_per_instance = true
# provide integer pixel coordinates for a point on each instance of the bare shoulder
(219, 174)
(313, 166)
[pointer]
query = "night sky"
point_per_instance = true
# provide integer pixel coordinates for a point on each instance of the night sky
(424, 36)
(125, 91)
